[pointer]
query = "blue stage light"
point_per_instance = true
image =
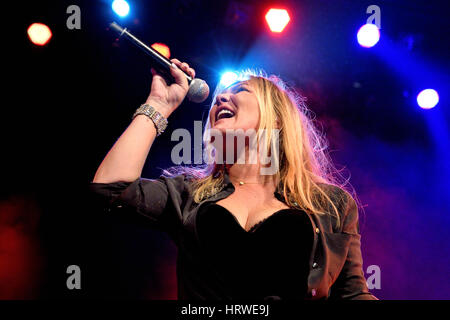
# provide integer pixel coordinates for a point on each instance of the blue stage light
(228, 78)
(121, 7)
(368, 35)
(427, 99)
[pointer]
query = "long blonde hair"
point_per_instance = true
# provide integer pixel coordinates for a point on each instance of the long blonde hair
(306, 170)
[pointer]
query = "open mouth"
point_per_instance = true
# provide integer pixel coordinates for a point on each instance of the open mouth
(224, 113)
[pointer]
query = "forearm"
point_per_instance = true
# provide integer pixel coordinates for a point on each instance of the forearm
(126, 159)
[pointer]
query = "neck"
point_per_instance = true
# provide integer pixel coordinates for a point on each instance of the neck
(249, 174)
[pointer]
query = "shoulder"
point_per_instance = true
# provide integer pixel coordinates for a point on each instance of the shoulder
(180, 186)
(346, 205)
(178, 182)
(341, 198)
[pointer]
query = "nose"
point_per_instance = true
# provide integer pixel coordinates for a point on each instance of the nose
(222, 97)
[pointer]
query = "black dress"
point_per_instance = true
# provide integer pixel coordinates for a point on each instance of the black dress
(269, 260)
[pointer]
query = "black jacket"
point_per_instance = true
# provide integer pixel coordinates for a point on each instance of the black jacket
(335, 262)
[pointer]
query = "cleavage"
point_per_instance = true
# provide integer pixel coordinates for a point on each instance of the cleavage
(237, 217)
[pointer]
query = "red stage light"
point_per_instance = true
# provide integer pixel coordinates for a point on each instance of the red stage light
(277, 19)
(162, 48)
(39, 34)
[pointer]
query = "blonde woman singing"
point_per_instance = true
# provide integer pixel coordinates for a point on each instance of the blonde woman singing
(290, 234)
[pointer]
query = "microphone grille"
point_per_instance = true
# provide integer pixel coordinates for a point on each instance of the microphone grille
(198, 91)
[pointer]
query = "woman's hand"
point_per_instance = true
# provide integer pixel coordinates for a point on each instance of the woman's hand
(165, 98)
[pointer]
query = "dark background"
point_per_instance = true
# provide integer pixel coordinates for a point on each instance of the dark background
(76, 95)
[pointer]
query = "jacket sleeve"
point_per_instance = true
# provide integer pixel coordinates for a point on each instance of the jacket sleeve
(351, 283)
(158, 200)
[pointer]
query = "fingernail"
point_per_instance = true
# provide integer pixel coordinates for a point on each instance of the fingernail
(174, 65)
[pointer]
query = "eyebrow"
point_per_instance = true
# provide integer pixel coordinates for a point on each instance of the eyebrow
(238, 83)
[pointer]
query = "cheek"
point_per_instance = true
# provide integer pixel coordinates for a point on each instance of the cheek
(249, 107)
(248, 118)
(255, 109)
(254, 112)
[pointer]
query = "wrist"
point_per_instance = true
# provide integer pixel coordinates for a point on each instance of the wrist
(157, 117)
(160, 106)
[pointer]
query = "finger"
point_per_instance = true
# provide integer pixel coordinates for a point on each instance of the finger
(191, 73)
(177, 62)
(185, 67)
(158, 77)
(179, 76)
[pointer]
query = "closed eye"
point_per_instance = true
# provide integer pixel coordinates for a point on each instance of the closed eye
(241, 88)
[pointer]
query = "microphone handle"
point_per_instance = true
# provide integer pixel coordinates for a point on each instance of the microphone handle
(161, 63)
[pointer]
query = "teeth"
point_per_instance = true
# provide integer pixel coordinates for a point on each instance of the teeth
(224, 111)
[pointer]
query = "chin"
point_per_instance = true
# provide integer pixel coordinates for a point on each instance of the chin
(222, 126)
(222, 130)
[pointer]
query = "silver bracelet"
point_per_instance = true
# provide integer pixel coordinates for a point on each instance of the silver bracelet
(158, 119)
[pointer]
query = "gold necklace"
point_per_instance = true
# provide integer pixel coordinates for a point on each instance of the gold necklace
(242, 182)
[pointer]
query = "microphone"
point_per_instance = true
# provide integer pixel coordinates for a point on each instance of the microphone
(198, 88)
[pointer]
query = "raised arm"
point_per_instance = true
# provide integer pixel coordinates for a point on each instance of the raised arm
(126, 159)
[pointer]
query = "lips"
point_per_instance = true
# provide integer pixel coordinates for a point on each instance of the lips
(224, 112)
